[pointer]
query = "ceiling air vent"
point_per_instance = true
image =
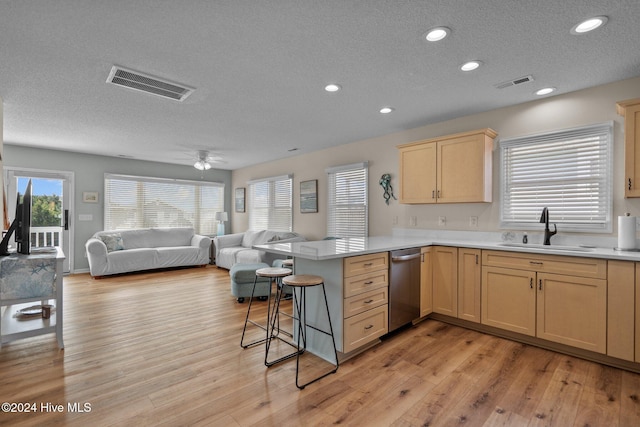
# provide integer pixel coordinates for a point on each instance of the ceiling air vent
(514, 82)
(146, 83)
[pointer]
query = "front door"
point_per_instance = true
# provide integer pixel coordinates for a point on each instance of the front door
(51, 207)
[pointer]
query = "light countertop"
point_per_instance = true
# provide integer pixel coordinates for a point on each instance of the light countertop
(341, 248)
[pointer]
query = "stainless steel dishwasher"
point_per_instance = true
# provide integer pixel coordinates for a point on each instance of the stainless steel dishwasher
(404, 287)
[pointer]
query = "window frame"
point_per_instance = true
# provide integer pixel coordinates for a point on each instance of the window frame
(333, 228)
(276, 204)
(203, 216)
(604, 133)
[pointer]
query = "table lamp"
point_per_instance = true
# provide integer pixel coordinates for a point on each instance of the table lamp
(221, 217)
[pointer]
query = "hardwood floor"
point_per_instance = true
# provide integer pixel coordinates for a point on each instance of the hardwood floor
(163, 349)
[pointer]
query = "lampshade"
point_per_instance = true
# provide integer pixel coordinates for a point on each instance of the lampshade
(202, 165)
(222, 216)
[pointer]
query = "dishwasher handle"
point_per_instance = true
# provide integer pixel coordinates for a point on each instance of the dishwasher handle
(399, 258)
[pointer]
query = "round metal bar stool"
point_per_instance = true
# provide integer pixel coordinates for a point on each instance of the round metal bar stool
(299, 283)
(275, 274)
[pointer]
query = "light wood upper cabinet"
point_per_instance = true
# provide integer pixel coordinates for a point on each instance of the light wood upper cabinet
(630, 110)
(445, 280)
(449, 169)
(418, 173)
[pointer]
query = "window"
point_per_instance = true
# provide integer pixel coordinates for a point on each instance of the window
(143, 202)
(348, 213)
(270, 204)
(568, 171)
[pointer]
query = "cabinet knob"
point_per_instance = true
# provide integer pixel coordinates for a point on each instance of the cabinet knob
(540, 284)
(629, 183)
(531, 283)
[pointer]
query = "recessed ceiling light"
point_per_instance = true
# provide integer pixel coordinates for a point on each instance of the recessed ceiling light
(470, 66)
(545, 91)
(386, 110)
(589, 25)
(332, 87)
(437, 34)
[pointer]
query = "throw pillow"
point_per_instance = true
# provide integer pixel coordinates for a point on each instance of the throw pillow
(113, 241)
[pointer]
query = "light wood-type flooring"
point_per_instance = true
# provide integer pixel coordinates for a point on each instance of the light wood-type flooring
(162, 349)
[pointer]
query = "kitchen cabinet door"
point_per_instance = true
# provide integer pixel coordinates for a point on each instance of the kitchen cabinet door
(621, 309)
(445, 280)
(630, 110)
(509, 299)
(418, 173)
(469, 277)
(572, 311)
(637, 312)
(426, 282)
(464, 169)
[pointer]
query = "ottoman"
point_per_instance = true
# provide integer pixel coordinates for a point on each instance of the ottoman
(242, 278)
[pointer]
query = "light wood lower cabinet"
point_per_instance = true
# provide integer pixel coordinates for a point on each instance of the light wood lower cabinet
(366, 299)
(509, 299)
(469, 284)
(563, 308)
(445, 280)
(426, 282)
(572, 311)
(621, 294)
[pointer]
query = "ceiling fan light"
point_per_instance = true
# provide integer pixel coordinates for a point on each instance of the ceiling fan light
(202, 165)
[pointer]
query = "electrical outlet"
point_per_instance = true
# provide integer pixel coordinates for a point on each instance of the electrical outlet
(442, 221)
(395, 220)
(413, 221)
(473, 221)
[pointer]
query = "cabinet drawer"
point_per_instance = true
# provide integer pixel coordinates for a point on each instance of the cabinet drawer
(362, 264)
(365, 327)
(567, 265)
(365, 282)
(366, 301)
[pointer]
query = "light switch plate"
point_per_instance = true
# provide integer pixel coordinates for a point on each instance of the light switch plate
(442, 221)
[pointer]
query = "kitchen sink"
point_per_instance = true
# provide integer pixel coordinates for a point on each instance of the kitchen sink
(547, 247)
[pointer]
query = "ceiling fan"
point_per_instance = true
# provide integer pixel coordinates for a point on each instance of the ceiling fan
(204, 160)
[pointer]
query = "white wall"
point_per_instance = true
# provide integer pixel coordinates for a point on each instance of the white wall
(593, 105)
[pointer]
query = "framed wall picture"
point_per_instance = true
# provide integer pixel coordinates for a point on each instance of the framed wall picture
(309, 196)
(240, 197)
(90, 196)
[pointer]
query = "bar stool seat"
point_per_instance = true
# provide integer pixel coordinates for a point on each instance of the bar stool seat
(299, 283)
(274, 274)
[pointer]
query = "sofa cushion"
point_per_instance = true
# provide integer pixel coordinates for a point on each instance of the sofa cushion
(157, 237)
(248, 256)
(251, 238)
(178, 255)
(113, 241)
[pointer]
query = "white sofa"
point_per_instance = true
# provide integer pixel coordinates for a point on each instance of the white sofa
(236, 248)
(122, 251)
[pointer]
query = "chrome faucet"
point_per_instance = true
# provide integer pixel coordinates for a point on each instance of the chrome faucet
(544, 219)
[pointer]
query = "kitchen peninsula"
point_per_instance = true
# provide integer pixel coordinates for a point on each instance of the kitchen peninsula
(572, 298)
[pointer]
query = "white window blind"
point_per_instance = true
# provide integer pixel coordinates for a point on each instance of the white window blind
(347, 207)
(142, 202)
(568, 171)
(270, 204)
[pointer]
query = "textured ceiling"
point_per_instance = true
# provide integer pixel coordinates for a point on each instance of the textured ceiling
(259, 68)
